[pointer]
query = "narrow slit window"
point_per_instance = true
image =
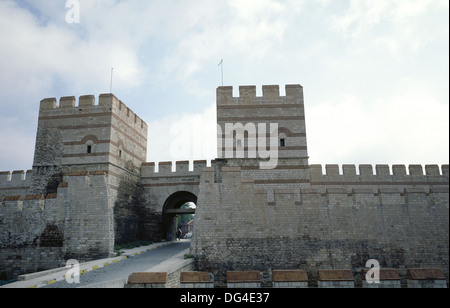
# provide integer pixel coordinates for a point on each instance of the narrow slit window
(89, 149)
(282, 143)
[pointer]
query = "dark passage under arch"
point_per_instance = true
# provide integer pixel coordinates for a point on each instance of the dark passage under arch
(172, 208)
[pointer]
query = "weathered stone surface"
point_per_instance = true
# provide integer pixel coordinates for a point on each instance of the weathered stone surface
(384, 274)
(335, 275)
(89, 165)
(199, 280)
(426, 278)
(290, 276)
(195, 277)
(425, 274)
(244, 276)
(148, 278)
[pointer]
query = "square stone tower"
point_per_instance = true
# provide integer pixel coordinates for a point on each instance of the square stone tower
(287, 112)
(247, 216)
(264, 135)
(72, 138)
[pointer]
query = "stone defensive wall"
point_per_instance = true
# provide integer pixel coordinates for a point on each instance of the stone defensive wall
(151, 170)
(91, 187)
(44, 232)
(291, 174)
(379, 176)
(166, 187)
(339, 221)
(379, 180)
(166, 178)
(15, 183)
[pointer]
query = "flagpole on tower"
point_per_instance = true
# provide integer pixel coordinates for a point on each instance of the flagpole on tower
(110, 85)
(221, 65)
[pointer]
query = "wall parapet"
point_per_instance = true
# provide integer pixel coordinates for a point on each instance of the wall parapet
(16, 178)
(87, 104)
(271, 94)
(29, 205)
(21, 203)
(172, 169)
(431, 174)
(301, 196)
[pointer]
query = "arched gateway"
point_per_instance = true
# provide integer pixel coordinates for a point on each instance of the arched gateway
(173, 207)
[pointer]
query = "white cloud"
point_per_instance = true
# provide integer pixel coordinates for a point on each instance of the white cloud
(227, 30)
(53, 50)
(16, 145)
(179, 137)
(398, 24)
(400, 129)
(350, 56)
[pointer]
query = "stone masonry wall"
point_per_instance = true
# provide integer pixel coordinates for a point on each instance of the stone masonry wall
(236, 228)
(31, 234)
(88, 223)
(16, 183)
(38, 233)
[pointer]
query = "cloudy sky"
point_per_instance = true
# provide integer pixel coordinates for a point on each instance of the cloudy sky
(375, 73)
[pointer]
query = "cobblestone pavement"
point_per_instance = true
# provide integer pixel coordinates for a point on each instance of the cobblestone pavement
(122, 269)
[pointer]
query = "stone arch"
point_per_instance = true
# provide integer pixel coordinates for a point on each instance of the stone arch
(172, 208)
(285, 131)
(90, 142)
(283, 136)
(91, 138)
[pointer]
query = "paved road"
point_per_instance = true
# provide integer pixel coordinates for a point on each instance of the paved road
(123, 269)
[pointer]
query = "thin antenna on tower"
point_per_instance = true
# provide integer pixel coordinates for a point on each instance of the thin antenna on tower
(110, 85)
(221, 65)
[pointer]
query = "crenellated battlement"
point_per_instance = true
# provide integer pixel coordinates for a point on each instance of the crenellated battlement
(175, 169)
(271, 95)
(15, 183)
(380, 174)
(30, 204)
(17, 178)
(429, 185)
(86, 104)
